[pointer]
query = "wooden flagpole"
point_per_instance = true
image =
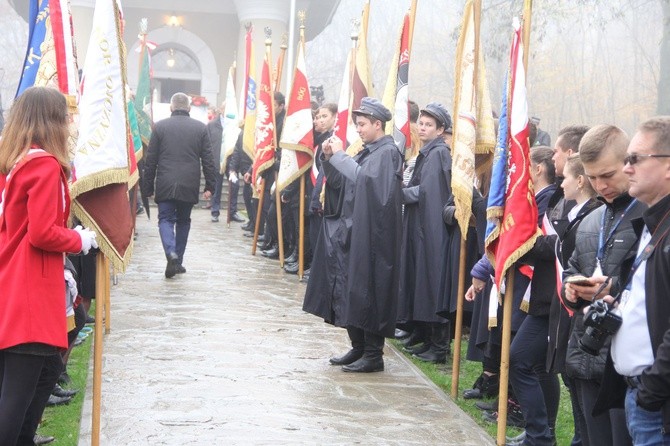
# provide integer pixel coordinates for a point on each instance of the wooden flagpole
(280, 62)
(504, 357)
(301, 215)
(412, 19)
(101, 287)
(460, 296)
(259, 210)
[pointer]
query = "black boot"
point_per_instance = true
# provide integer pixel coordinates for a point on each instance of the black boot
(291, 268)
(372, 360)
(439, 344)
(357, 338)
(272, 253)
(293, 258)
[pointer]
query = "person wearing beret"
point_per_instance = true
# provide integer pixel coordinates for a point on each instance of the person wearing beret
(424, 235)
(367, 237)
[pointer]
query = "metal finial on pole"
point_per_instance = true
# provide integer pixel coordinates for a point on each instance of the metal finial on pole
(268, 35)
(355, 28)
(248, 26)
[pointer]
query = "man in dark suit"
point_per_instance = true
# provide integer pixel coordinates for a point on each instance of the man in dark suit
(179, 145)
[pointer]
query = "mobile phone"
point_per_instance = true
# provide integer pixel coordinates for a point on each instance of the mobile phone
(579, 280)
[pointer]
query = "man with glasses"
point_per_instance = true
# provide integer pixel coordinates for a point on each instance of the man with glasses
(641, 347)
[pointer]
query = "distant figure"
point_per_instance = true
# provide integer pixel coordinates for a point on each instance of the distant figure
(543, 138)
(179, 145)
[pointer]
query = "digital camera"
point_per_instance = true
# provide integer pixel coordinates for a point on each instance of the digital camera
(600, 324)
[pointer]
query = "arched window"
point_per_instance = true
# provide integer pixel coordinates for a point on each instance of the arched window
(175, 70)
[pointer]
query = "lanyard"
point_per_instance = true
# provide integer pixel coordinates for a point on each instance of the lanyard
(649, 249)
(603, 242)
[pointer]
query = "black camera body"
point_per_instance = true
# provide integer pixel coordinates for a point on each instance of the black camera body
(600, 324)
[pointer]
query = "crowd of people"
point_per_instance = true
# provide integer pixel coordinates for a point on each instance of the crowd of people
(382, 250)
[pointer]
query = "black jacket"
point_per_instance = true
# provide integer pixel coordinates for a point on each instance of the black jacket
(424, 234)
(619, 247)
(239, 161)
(179, 145)
(654, 390)
(215, 131)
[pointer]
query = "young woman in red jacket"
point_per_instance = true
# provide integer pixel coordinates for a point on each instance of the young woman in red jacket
(34, 207)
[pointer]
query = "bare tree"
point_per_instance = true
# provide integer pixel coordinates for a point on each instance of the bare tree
(663, 105)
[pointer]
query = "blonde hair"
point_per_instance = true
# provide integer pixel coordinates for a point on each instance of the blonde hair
(39, 118)
(574, 165)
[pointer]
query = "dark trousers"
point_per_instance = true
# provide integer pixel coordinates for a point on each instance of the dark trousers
(249, 204)
(577, 415)
(174, 224)
(215, 201)
(371, 343)
(19, 374)
(233, 192)
(537, 391)
(605, 429)
(53, 366)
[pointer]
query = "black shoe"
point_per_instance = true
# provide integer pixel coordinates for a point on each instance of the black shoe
(514, 415)
(215, 218)
(293, 258)
(42, 439)
(261, 238)
(64, 379)
(476, 391)
(59, 391)
(58, 400)
(305, 276)
(401, 334)
(417, 349)
(249, 234)
(247, 227)
(291, 268)
(365, 366)
(90, 319)
(271, 253)
(412, 340)
(346, 359)
(432, 356)
(172, 266)
(487, 405)
(236, 217)
(181, 270)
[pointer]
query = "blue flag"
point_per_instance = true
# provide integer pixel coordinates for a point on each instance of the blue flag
(496, 200)
(36, 35)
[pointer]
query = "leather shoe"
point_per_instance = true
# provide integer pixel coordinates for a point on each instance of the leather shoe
(172, 266)
(58, 400)
(432, 356)
(215, 218)
(247, 227)
(42, 439)
(305, 276)
(346, 359)
(59, 391)
(401, 334)
(417, 349)
(293, 258)
(236, 217)
(291, 268)
(487, 405)
(272, 253)
(365, 366)
(181, 270)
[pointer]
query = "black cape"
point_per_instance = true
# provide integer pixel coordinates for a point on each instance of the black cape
(355, 271)
(424, 234)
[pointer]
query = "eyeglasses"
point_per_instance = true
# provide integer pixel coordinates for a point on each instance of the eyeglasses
(635, 158)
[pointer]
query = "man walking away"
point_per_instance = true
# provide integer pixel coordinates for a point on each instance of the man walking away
(178, 147)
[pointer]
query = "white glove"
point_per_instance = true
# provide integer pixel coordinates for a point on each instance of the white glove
(272, 188)
(233, 178)
(71, 288)
(87, 239)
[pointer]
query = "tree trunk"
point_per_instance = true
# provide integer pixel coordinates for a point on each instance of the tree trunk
(663, 105)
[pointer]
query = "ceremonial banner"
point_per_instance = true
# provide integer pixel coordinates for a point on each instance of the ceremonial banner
(265, 124)
(297, 141)
(51, 57)
(101, 165)
(231, 126)
(396, 94)
(361, 81)
(511, 207)
(343, 104)
(474, 130)
(249, 138)
(143, 95)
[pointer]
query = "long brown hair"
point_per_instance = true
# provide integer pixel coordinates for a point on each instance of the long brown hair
(38, 117)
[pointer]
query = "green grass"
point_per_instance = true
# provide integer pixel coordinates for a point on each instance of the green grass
(441, 374)
(62, 422)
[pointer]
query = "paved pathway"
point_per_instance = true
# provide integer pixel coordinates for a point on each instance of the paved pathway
(224, 355)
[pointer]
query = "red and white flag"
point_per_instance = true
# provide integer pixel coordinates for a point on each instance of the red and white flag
(343, 104)
(265, 124)
(396, 94)
(297, 141)
(101, 165)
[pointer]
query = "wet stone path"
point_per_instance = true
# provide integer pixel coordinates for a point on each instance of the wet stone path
(224, 355)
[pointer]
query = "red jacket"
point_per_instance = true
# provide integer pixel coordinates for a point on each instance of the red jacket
(33, 238)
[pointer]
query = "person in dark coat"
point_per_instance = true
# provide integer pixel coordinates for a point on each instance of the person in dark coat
(179, 145)
(239, 164)
(365, 244)
(424, 234)
(215, 131)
